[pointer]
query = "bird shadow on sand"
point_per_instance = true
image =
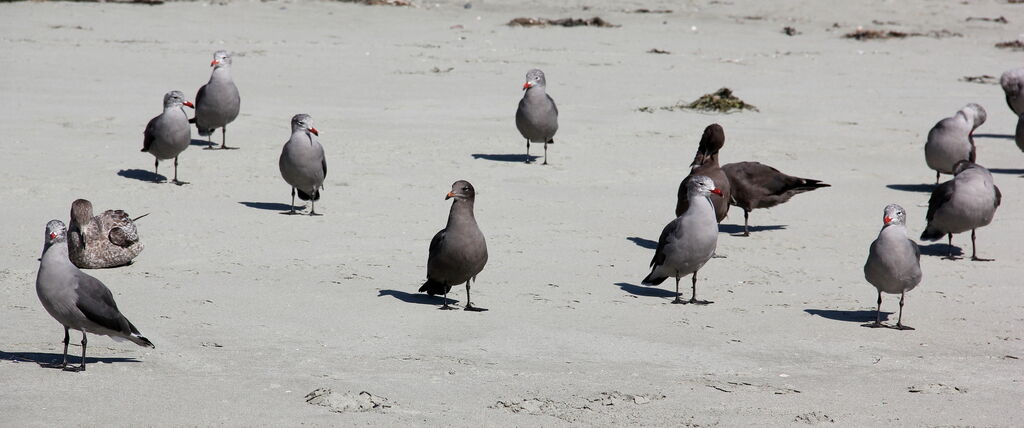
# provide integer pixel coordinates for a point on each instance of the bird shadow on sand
(418, 298)
(639, 290)
(924, 188)
(271, 206)
(940, 250)
(646, 243)
(1002, 136)
(46, 359)
(505, 157)
(861, 316)
(1006, 170)
(141, 175)
(737, 229)
(195, 142)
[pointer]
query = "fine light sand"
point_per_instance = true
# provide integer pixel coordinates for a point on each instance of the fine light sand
(251, 310)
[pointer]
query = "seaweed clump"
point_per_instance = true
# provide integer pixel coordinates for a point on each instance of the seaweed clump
(596, 21)
(720, 101)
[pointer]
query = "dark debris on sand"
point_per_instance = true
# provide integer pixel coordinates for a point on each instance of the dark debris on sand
(984, 79)
(596, 21)
(1015, 45)
(999, 20)
(658, 51)
(866, 34)
(720, 101)
(790, 31)
(404, 3)
(642, 10)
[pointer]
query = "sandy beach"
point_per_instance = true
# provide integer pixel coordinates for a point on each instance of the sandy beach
(256, 315)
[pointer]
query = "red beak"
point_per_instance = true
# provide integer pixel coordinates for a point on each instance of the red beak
(214, 62)
(887, 219)
(53, 235)
(527, 85)
(188, 104)
(716, 191)
(314, 131)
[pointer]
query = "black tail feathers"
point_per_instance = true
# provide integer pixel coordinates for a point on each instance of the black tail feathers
(305, 196)
(651, 280)
(930, 234)
(435, 288)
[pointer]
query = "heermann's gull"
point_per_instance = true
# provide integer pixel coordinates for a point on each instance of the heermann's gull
(302, 162)
(168, 134)
(458, 252)
(217, 102)
(689, 241)
(1012, 82)
(894, 262)
(103, 241)
(706, 163)
(77, 300)
(966, 202)
(756, 185)
(952, 140)
(537, 116)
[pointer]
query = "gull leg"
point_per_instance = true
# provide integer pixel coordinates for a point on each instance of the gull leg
(878, 314)
(469, 304)
(292, 205)
(180, 183)
(899, 321)
(446, 307)
(693, 297)
(974, 249)
(527, 151)
(678, 301)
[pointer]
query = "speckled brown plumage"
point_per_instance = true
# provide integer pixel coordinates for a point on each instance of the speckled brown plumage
(103, 241)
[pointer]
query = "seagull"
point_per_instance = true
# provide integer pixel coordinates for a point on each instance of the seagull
(302, 162)
(952, 140)
(537, 116)
(103, 241)
(894, 262)
(458, 252)
(77, 300)
(217, 102)
(168, 134)
(706, 163)
(966, 202)
(755, 185)
(689, 241)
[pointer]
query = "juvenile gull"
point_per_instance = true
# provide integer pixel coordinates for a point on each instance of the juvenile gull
(706, 163)
(755, 185)
(302, 162)
(689, 241)
(537, 116)
(77, 300)
(103, 241)
(168, 134)
(217, 102)
(966, 202)
(894, 262)
(1012, 82)
(458, 252)
(951, 140)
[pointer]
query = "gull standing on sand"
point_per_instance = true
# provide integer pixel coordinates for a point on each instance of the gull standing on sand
(1012, 82)
(706, 163)
(217, 102)
(755, 185)
(537, 116)
(77, 300)
(689, 241)
(894, 262)
(966, 202)
(458, 252)
(103, 241)
(302, 162)
(168, 134)
(951, 140)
